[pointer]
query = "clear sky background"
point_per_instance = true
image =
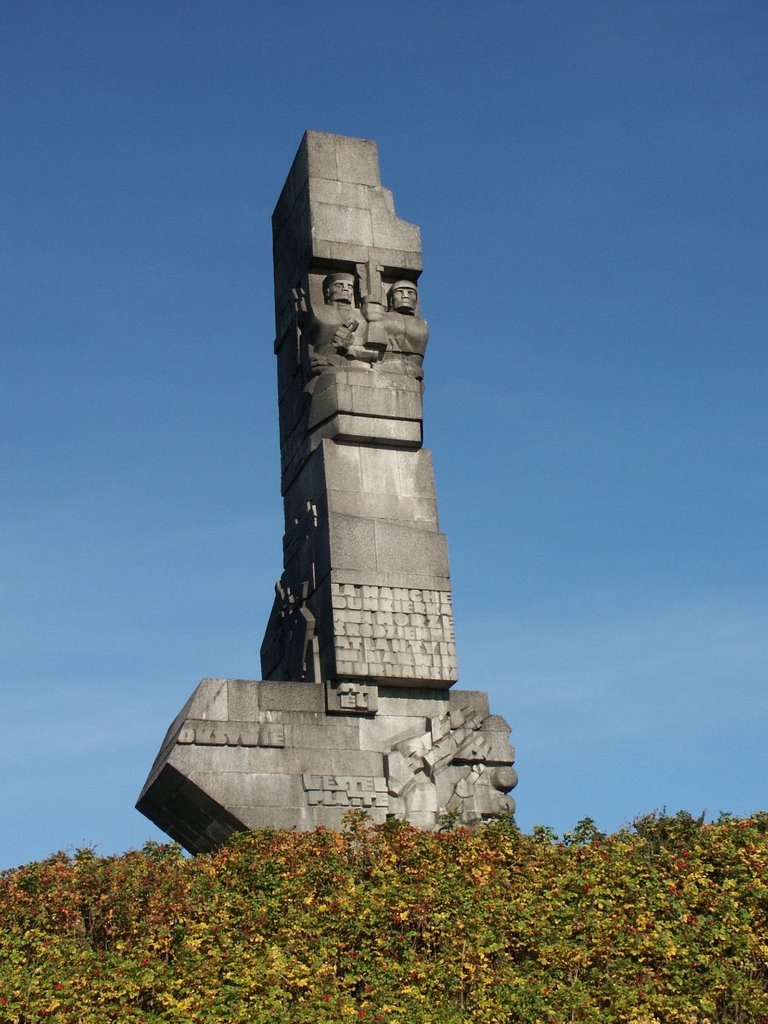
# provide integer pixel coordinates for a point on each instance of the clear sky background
(590, 181)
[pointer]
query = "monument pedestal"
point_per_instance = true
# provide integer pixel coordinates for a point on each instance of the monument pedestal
(362, 624)
(247, 754)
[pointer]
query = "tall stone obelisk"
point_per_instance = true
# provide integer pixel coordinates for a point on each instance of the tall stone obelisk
(355, 707)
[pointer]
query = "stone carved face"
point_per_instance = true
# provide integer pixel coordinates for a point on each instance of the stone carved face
(403, 297)
(339, 289)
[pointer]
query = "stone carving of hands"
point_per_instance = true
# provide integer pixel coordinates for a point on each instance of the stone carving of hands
(343, 336)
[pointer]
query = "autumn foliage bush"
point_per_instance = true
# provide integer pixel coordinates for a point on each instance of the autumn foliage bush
(665, 921)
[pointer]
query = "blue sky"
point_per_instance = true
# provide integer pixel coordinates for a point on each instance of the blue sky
(590, 181)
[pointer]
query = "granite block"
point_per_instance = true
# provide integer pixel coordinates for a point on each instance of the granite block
(357, 160)
(419, 512)
(252, 788)
(340, 252)
(341, 224)
(317, 157)
(291, 696)
(401, 548)
(416, 476)
(379, 469)
(384, 401)
(371, 430)
(352, 542)
(242, 699)
(414, 702)
(209, 700)
(342, 466)
(475, 699)
(285, 817)
(334, 732)
(402, 259)
(389, 232)
(393, 579)
(340, 193)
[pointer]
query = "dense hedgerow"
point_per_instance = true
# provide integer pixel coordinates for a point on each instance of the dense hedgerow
(664, 922)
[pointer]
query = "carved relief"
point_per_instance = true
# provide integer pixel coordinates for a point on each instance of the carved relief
(475, 795)
(299, 543)
(346, 790)
(291, 648)
(336, 333)
(402, 332)
(232, 734)
(353, 343)
(393, 633)
(348, 696)
(454, 764)
(342, 334)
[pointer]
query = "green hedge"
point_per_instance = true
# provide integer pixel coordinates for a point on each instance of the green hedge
(666, 921)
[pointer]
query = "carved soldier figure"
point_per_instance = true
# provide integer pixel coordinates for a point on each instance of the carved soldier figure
(406, 333)
(402, 297)
(336, 333)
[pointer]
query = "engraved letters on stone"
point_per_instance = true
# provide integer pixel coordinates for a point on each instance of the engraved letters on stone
(393, 632)
(346, 790)
(350, 696)
(232, 734)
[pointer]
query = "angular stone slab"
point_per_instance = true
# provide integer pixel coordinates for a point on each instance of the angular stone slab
(250, 754)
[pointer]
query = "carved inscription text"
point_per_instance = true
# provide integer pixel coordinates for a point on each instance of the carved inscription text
(349, 696)
(392, 632)
(232, 734)
(346, 790)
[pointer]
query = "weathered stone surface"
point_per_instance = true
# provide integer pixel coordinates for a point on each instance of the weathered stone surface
(409, 753)
(355, 709)
(363, 519)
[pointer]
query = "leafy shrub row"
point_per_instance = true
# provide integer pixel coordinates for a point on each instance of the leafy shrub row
(663, 922)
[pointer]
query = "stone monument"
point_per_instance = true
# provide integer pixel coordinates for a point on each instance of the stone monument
(355, 706)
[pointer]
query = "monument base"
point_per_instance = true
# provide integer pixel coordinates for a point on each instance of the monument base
(245, 754)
